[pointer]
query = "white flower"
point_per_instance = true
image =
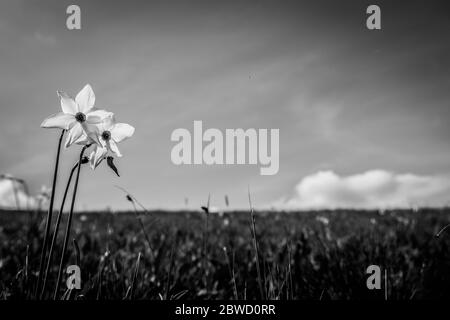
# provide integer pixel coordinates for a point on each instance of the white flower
(78, 116)
(109, 134)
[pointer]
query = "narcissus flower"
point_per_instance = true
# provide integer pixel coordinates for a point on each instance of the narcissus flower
(78, 116)
(109, 133)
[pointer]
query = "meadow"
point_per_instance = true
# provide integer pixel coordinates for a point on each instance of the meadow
(302, 255)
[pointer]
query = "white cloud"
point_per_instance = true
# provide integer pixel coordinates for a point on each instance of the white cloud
(371, 189)
(10, 191)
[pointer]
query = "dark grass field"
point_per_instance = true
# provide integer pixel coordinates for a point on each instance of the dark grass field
(301, 255)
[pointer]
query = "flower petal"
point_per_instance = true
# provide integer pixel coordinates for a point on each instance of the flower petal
(97, 156)
(74, 134)
(109, 122)
(85, 99)
(98, 116)
(59, 120)
(83, 140)
(68, 105)
(121, 131)
(113, 147)
(92, 131)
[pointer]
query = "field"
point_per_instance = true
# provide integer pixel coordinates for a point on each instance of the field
(302, 255)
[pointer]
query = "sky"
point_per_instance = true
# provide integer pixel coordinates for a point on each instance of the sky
(363, 114)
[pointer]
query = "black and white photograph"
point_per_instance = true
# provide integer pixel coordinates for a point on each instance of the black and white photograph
(222, 157)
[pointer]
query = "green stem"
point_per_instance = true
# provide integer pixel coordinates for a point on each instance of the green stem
(49, 217)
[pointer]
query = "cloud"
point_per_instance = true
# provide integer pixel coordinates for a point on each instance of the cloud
(13, 195)
(368, 190)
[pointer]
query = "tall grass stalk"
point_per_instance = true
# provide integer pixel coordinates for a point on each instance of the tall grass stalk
(133, 282)
(56, 231)
(141, 224)
(291, 285)
(442, 230)
(205, 244)
(231, 270)
(103, 261)
(169, 273)
(134, 201)
(27, 258)
(385, 284)
(69, 223)
(49, 217)
(77, 252)
(255, 245)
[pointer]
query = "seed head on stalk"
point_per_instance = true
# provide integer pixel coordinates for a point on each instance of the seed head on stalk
(134, 201)
(205, 242)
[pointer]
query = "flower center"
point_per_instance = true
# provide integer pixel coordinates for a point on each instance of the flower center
(80, 117)
(106, 135)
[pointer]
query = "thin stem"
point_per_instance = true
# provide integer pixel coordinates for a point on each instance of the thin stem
(77, 252)
(291, 286)
(205, 244)
(385, 284)
(255, 244)
(169, 273)
(69, 223)
(141, 224)
(231, 270)
(205, 249)
(26, 269)
(55, 233)
(135, 201)
(442, 230)
(133, 282)
(49, 216)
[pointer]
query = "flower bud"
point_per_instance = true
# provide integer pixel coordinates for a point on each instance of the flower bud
(109, 161)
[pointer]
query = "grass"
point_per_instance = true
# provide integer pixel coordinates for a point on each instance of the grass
(300, 255)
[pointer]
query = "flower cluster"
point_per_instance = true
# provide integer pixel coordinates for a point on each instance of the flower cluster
(86, 125)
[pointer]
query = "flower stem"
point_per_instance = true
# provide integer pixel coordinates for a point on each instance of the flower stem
(49, 217)
(55, 234)
(69, 222)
